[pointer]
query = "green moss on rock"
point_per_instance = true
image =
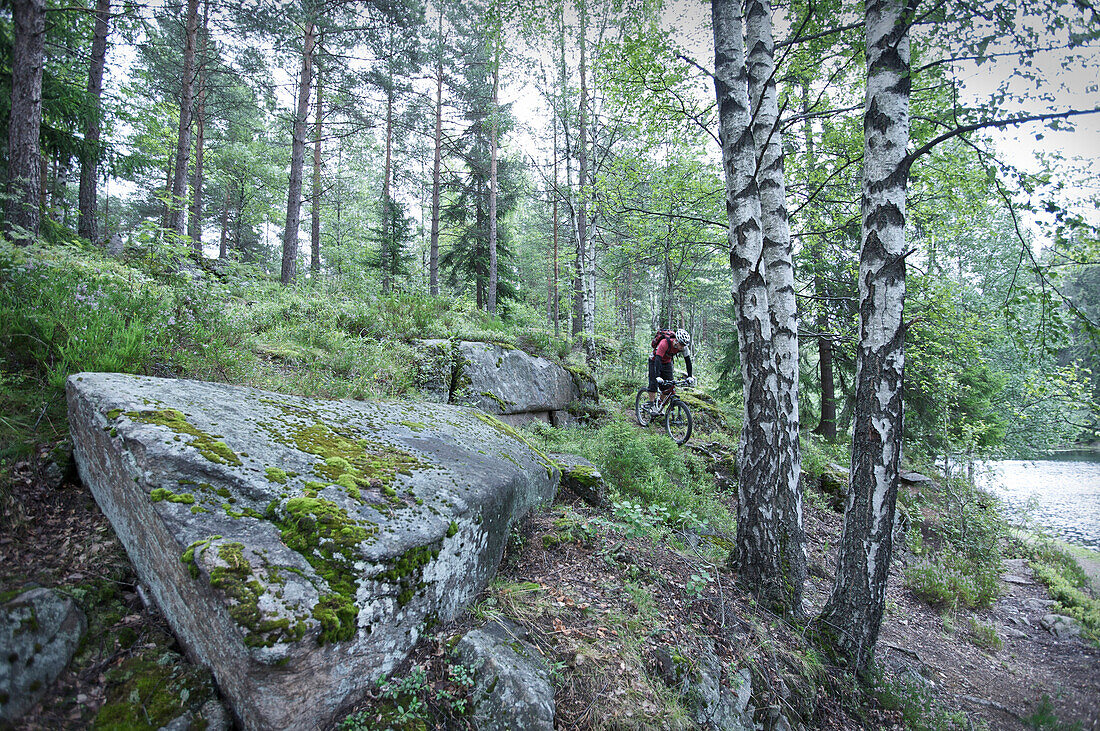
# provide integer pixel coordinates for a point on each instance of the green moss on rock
(329, 539)
(164, 494)
(207, 444)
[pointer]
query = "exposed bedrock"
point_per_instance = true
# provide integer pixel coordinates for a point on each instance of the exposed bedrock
(509, 383)
(298, 547)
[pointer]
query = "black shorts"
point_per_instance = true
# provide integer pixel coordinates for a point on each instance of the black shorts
(658, 368)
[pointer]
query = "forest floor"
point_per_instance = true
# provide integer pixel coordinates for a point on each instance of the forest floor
(600, 601)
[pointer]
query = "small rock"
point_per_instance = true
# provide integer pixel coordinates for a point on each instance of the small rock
(53, 475)
(915, 478)
(1014, 579)
(512, 684)
(581, 478)
(1013, 634)
(1060, 626)
(39, 632)
(1035, 604)
(115, 245)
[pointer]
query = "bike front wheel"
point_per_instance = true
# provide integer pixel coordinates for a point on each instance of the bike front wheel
(640, 412)
(678, 422)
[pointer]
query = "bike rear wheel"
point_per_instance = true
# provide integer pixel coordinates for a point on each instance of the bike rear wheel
(678, 422)
(640, 403)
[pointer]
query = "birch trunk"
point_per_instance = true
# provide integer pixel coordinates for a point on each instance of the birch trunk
(757, 556)
(297, 161)
(852, 616)
(177, 201)
(89, 152)
(779, 271)
(24, 153)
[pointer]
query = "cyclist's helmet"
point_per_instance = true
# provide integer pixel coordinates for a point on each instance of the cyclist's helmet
(683, 336)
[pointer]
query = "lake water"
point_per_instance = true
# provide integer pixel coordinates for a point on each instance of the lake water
(1060, 493)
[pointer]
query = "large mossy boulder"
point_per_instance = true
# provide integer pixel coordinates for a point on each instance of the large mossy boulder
(299, 547)
(506, 382)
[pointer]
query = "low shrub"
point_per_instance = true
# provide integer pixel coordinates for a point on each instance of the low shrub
(645, 468)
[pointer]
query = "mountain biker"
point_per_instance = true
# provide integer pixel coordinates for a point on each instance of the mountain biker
(667, 345)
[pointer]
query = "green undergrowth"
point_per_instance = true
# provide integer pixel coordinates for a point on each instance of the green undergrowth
(918, 705)
(957, 536)
(407, 701)
(645, 468)
(1065, 580)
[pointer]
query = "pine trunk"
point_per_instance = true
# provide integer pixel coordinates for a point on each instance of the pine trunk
(386, 244)
(223, 241)
(194, 227)
(89, 151)
(492, 297)
(297, 161)
(177, 202)
(315, 202)
(552, 269)
(584, 246)
(757, 557)
(437, 164)
(852, 616)
(24, 154)
(779, 268)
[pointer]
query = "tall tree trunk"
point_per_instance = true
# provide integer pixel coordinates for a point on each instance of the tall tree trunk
(223, 241)
(437, 164)
(778, 261)
(492, 298)
(89, 151)
(177, 202)
(387, 243)
(852, 616)
(315, 202)
(24, 155)
(584, 246)
(297, 160)
(60, 187)
(552, 269)
(757, 557)
(194, 227)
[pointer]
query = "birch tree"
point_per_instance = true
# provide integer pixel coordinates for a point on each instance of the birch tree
(757, 556)
(852, 616)
(778, 264)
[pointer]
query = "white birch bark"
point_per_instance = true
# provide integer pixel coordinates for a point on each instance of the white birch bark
(757, 556)
(850, 621)
(779, 275)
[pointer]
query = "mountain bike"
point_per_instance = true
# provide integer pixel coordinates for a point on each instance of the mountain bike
(668, 406)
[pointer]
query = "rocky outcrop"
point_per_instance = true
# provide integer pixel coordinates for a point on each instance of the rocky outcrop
(511, 682)
(39, 632)
(298, 547)
(517, 387)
